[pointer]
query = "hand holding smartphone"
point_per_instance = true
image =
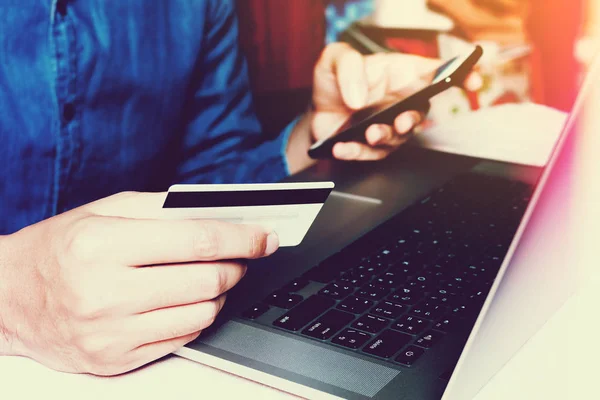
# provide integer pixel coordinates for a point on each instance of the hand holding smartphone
(416, 97)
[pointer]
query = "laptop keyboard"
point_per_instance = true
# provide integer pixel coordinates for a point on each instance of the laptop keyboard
(398, 290)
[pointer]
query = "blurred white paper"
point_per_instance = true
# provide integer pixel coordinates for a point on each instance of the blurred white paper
(522, 133)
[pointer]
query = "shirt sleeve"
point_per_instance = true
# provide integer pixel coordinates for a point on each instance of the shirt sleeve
(223, 140)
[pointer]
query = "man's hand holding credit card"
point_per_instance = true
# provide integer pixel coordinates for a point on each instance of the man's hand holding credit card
(289, 209)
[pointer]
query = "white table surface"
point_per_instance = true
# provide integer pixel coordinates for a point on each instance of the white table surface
(560, 362)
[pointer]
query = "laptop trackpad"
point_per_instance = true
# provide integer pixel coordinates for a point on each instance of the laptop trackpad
(296, 356)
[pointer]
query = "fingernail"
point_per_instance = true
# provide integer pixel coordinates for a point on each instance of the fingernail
(341, 151)
(272, 243)
(378, 135)
(406, 124)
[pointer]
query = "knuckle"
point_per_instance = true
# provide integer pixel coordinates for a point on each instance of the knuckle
(83, 239)
(329, 53)
(205, 243)
(125, 195)
(95, 349)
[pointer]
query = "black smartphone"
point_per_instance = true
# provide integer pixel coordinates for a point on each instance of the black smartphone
(414, 97)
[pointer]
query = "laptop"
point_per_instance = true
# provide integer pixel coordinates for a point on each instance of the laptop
(421, 277)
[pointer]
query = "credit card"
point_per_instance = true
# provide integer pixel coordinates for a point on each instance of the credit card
(287, 208)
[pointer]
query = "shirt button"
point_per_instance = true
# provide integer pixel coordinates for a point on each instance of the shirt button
(68, 112)
(61, 7)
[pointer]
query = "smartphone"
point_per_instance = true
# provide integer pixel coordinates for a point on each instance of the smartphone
(414, 97)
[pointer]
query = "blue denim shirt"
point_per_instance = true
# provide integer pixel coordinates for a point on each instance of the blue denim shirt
(103, 96)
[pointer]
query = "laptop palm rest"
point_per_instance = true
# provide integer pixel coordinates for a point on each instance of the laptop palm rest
(287, 353)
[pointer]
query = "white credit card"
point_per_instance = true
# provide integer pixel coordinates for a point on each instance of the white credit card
(287, 208)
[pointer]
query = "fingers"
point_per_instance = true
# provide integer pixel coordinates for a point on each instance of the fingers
(148, 242)
(385, 135)
(153, 351)
(152, 288)
(382, 139)
(348, 67)
(380, 134)
(359, 152)
(406, 121)
(172, 322)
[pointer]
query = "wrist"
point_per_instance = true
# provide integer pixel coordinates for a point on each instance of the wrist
(8, 336)
(298, 144)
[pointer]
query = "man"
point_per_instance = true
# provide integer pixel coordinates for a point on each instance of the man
(102, 97)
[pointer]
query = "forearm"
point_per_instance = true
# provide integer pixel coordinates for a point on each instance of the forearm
(298, 144)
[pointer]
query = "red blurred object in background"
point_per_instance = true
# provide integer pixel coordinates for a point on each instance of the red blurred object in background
(282, 40)
(554, 27)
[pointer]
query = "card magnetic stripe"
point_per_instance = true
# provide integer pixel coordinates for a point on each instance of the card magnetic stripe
(245, 198)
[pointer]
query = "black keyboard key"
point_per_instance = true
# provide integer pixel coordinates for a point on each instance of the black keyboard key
(390, 279)
(418, 285)
(305, 312)
(359, 275)
(441, 296)
(443, 325)
(255, 311)
(355, 279)
(410, 324)
(370, 323)
(428, 339)
(388, 309)
(328, 324)
(460, 311)
(283, 299)
(428, 310)
(337, 290)
(355, 305)
(384, 255)
(454, 288)
(372, 292)
(476, 297)
(387, 344)
(449, 260)
(424, 279)
(402, 271)
(422, 256)
(409, 355)
(433, 274)
(482, 270)
(491, 261)
(406, 295)
(406, 266)
(375, 263)
(296, 285)
(351, 338)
